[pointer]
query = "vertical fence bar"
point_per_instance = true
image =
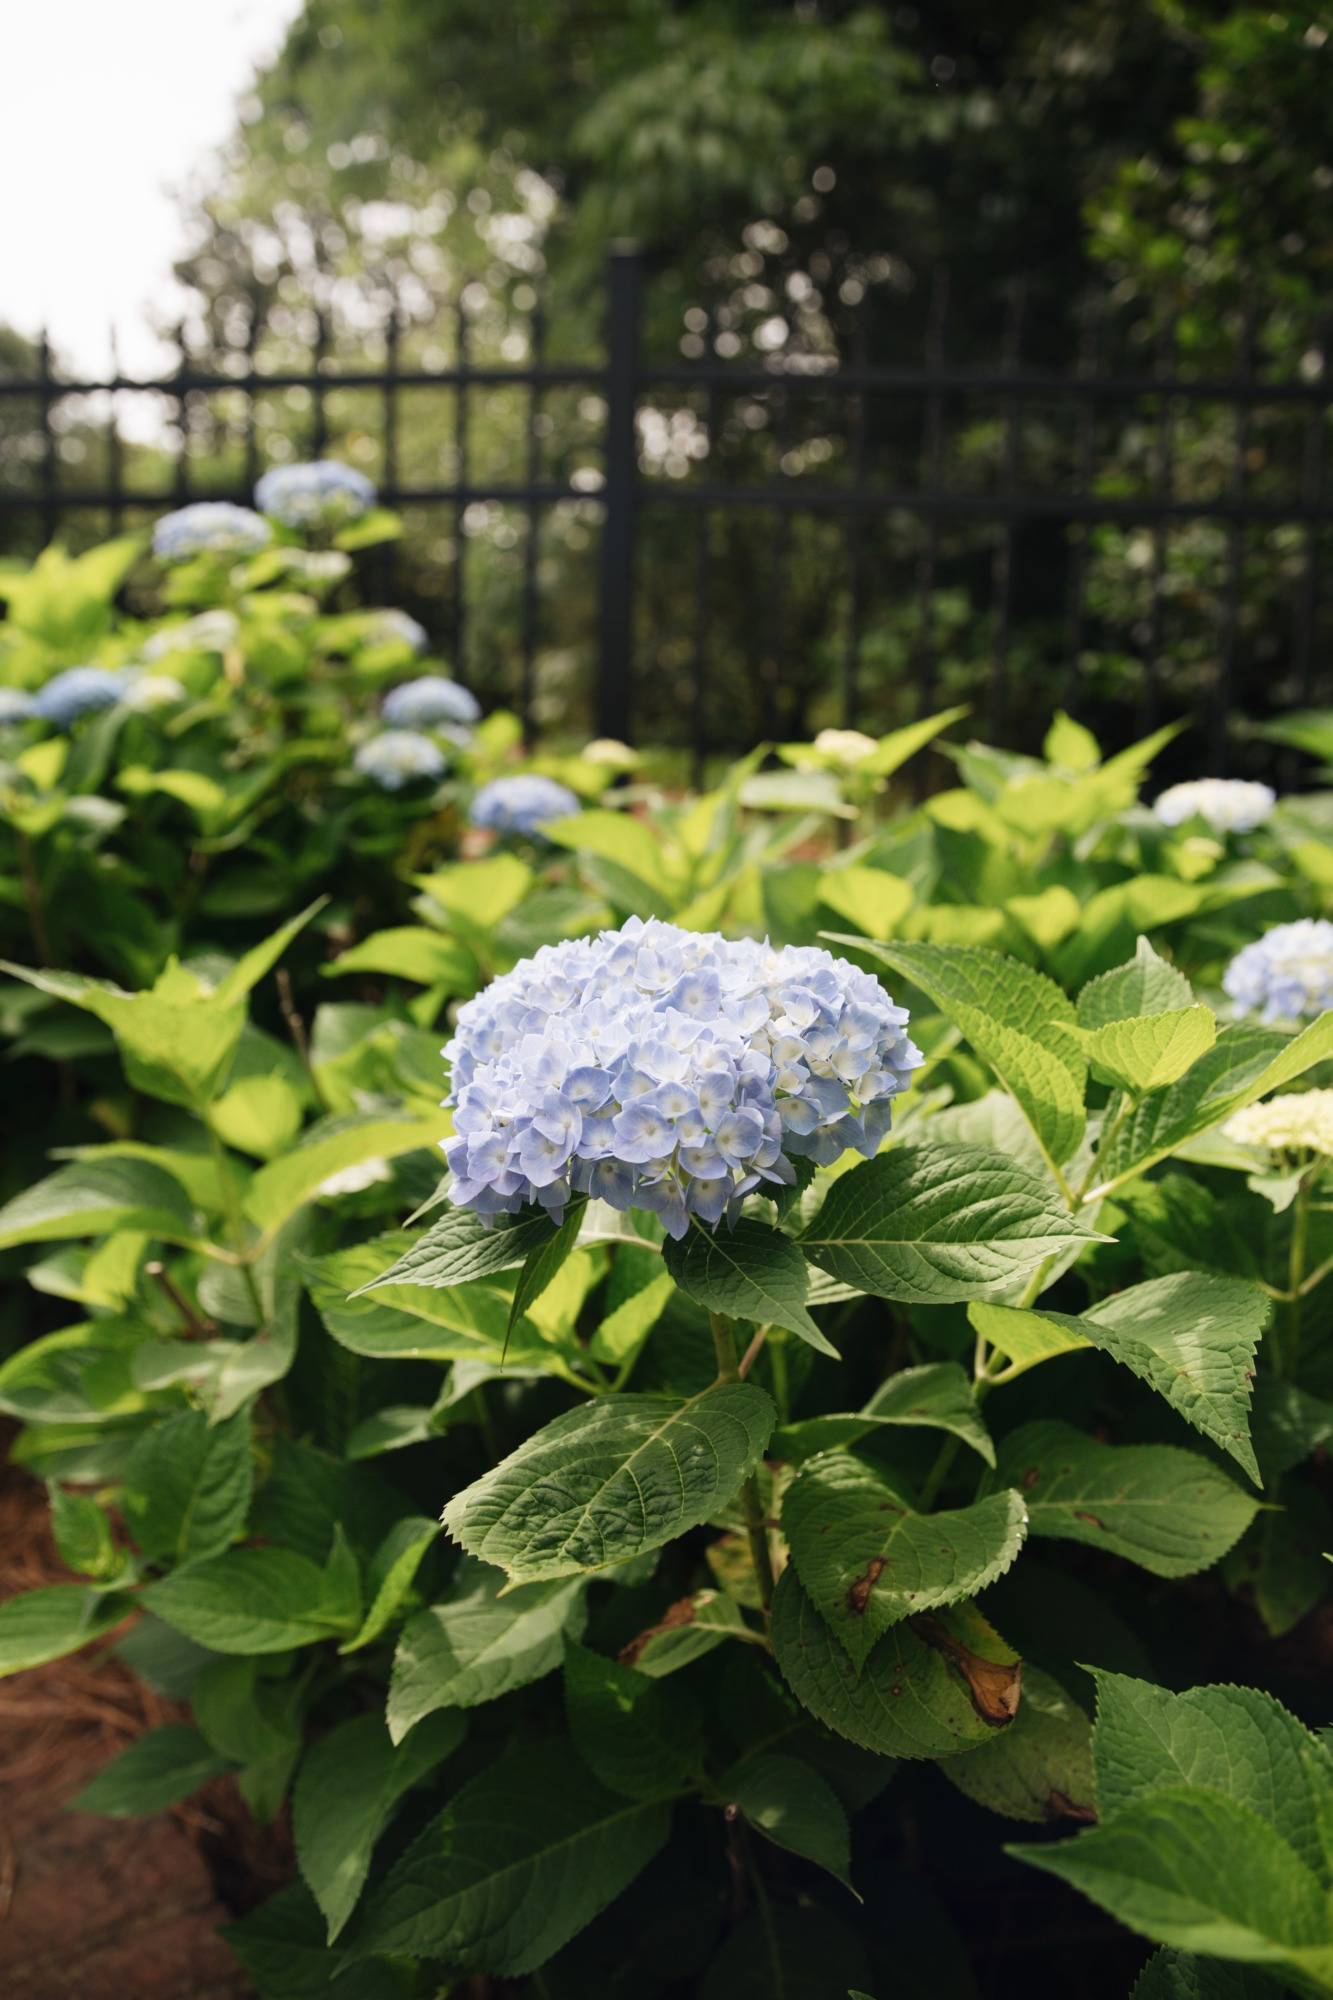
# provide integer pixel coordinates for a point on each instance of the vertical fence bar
(532, 540)
(624, 287)
(1080, 532)
(182, 479)
(319, 430)
(1002, 561)
(250, 442)
(1235, 556)
(932, 473)
(1312, 484)
(851, 669)
(460, 480)
(389, 407)
(703, 535)
(115, 469)
(1163, 456)
(779, 573)
(47, 393)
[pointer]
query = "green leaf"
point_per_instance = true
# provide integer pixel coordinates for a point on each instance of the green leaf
(1179, 1975)
(931, 1224)
(1006, 1010)
(1040, 1768)
(1192, 1868)
(789, 1951)
(458, 1248)
(616, 1339)
(158, 1768)
(1150, 1051)
(282, 1947)
(349, 1784)
(1146, 985)
(907, 1700)
(869, 1560)
(693, 1626)
(1282, 1564)
(412, 952)
(607, 1481)
(251, 967)
(791, 1805)
(750, 1273)
(1170, 1511)
(542, 1264)
(1026, 1338)
(95, 1197)
(483, 1641)
(253, 1720)
(392, 1570)
(872, 899)
(46, 1624)
(82, 1534)
(1191, 1336)
(519, 1861)
(188, 1486)
(637, 1735)
(261, 1600)
(937, 1396)
(280, 1188)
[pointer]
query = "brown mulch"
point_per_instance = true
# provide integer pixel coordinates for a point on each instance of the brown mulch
(95, 1907)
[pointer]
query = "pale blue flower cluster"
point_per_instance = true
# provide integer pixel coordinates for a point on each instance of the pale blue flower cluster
(1285, 974)
(398, 757)
(208, 632)
(15, 706)
(428, 701)
(521, 804)
(321, 494)
(668, 1070)
(1227, 805)
(210, 528)
(394, 627)
(77, 692)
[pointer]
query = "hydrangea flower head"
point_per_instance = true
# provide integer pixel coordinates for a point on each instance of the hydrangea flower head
(521, 804)
(1286, 973)
(1301, 1122)
(79, 691)
(15, 706)
(609, 750)
(397, 757)
(423, 703)
(668, 1070)
(394, 627)
(845, 746)
(1229, 805)
(149, 691)
(210, 632)
(210, 527)
(322, 494)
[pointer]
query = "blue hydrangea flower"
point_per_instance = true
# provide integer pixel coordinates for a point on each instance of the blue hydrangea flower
(210, 527)
(1285, 974)
(79, 691)
(668, 1070)
(521, 804)
(1228, 805)
(322, 494)
(396, 757)
(423, 703)
(394, 627)
(15, 706)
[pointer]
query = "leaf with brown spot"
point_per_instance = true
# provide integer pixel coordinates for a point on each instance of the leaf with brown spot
(994, 1678)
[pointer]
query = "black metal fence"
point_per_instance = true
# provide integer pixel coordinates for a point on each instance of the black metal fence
(997, 481)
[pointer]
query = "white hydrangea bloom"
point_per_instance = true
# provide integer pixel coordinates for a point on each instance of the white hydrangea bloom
(1228, 805)
(1301, 1122)
(845, 746)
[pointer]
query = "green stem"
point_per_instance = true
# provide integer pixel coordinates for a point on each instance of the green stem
(32, 896)
(1300, 1237)
(235, 1220)
(756, 1526)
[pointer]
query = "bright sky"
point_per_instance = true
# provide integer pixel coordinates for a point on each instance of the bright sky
(110, 105)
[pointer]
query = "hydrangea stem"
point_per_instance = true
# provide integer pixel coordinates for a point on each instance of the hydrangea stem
(1300, 1236)
(756, 1526)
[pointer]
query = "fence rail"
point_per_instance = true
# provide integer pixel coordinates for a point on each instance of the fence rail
(871, 488)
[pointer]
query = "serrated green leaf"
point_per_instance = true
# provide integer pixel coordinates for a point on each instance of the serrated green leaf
(543, 1263)
(605, 1482)
(1281, 1564)
(1040, 1768)
(791, 1805)
(349, 1784)
(618, 1337)
(638, 1735)
(1179, 1975)
(868, 1559)
(1149, 1051)
(1191, 1336)
(159, 1768)
(518, 1862)
(937, 1396)
(188, 1486)
(693, 1626)
(254, 1601)
(872, 899)
(82, 1534)
(94, 1197)
(410, 952)
(46, 1624)
(931, 1224)
(282, 1947)
(482, 1642)
(1145, 985)
(458, 1248)
(906, 1702)
(749, 1273)
(280, 1188)
(1170, 1511)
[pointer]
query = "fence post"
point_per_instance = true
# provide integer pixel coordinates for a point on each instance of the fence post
(624, 289)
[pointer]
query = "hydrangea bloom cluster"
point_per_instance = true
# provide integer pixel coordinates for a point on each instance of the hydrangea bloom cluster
(397, 757)
(1228, 805)
(1299, 1123)
(321, 494)
(611, 751)
(428, 701)
(209, 632)
(77, 692)
(149, 691)
(521, 804)
(210, 528)
(1286, 973)
(15, 706)
(845, 746)
(394, 627)
(667, 1070)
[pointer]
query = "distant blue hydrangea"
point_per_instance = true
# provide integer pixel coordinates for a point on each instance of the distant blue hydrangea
(1227, 805)
(1286, 973)
(521, 804)
(397, 757)
(668, 1070)
(210, 527)
(15, 706)
(79, 691)
(423, 703)
(392, 626)
(322, 494)
(209, 632)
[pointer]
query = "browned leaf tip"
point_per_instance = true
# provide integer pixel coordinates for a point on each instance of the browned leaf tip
(1058, 1806)
(682, 1612)
(994, 1685)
